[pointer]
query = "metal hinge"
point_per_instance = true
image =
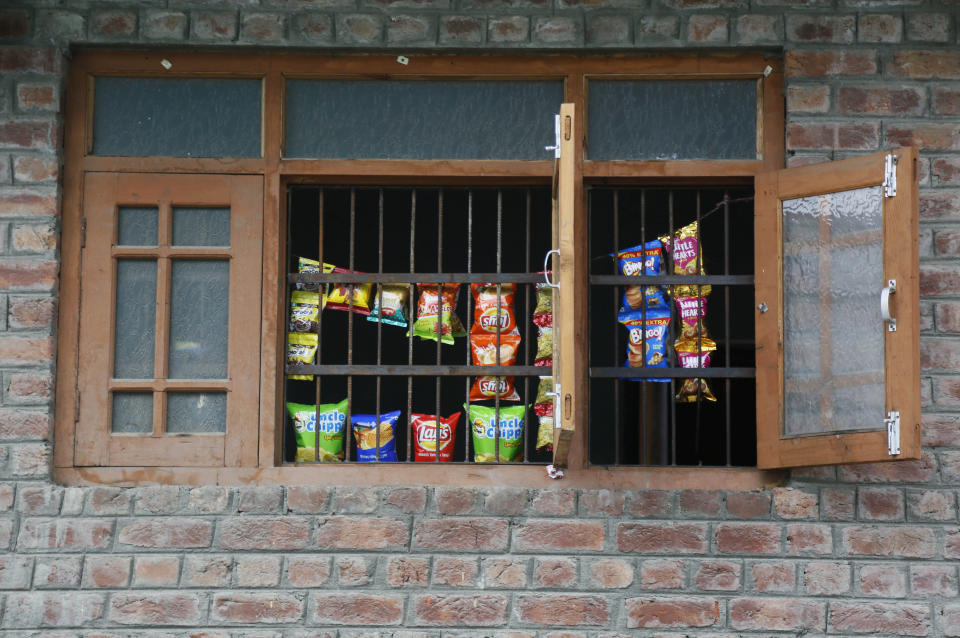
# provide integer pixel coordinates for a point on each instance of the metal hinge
(890, 176)
(556, 137)
(893, 432)
(83, 232)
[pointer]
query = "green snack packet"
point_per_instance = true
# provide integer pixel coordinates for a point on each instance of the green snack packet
(333, 419)
(483, 423)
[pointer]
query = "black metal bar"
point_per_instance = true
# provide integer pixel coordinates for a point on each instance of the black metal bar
(415, 278)
(617, 425)
(620, 372)
(700, 322)
(369, 370)
(468, 436)
(380, 310)
(437, 385)
(645, 386)
(318, 380)
(287, 315)
(693, 280)
(726, 327)
(347, 435)
(527, 402)
(410, 319)
(673, 360)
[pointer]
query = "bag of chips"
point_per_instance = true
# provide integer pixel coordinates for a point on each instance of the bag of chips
(543, 311)
(544, 355)
(491, 387)
(354, 297)
(426, 437)
(484, 349)
(389, 305)
(430, 313)
(306, 266)
(642, 259)
(684, 248)
(691, 313)
(694, 353)
(543, 408)
(488, 431)
(646, 338)
(493, 310)
(304, 311)
(301, 348)
(319, 437)
(375, 439)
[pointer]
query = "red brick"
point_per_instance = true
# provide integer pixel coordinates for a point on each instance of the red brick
(483, 610)
(883, 580)
(56, 572)
(264, 533)
(52, 609)
(37, 97)
(650, 504)
(207, 571)
(922, 470)
(938, 205)
(30, 311)
(555, 572)
(262, 27)
(506, 501)
(950, 467)
(158, 499)
(106, 572)
(164, 25)
(882, 618)
(837, 504)
(929, 27)
(20, 424)
(951, 620)
(815, 473)
(113, 24)
(757, 28)
(409, 500)
(499, 29)
(29, 59)
(563, 609)
(602, 502)
(713, 575)
(307, 499)
(806, 98)
(6, 496)
(656, 613)
(356, 609)
(356, 500)
(27, 201)
(15, 572)
(41, 533)
(879, 27)
(881, 504)
(33, 134)
(455, 500)
(460, 29)
(901, 541)
(700, 503)
(933, 580)
(748, 538)
(749, 504)
(214, 25)
(711, 29)
(343, 532)
(546, 535)
(27, 275)
(39, 500)
(33, 238)
(938, 429)
(777, 614)
(554, 502)
(109, 500)
(941, 64)
(932, 505)
(884, 100)
(662, 538)
(14, 23)
(663, 574)
(807, 63)
(505, 573)
(167, 533)
(260, 608)
(815, 136)
(947, 243)
(308, 571)
(156, 571)
(951, 543)
(261, 499)
(6, 533)
(453, 571)
(836, 29)
(926, 137)
(355, 571)
(610, 573)
(946, 171)
(359, 28)
(257, 571)
(773, 577)
(156, 608)
(946, 100)
(608, 29)
(408, 571)
(792, 503)
(826, 579)
(809, 538)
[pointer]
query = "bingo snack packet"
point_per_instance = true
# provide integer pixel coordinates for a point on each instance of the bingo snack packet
(393, 305)
(492, 310)
(692, 354)
(642, 259)
(301, 348)
(431, 311)
(646, 339)
(484, 349)
(691, 313)
(355, 297)
(430, 442)
(319, 438)
(304, 311)
(487, 430)
(366, 430)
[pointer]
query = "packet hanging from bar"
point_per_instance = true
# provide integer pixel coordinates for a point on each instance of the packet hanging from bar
(484, 350)
(302, 348)
(425, 437)
(487, 430)
(691, 315)
(355, 297)
(544, 356)
(306, 266)
(366, 431)
(646, 339)
(429, 311)
(394, 304)
(304, 311)
(543, 408)
(687, 260)
(323, 440)
(642, 259)
(492, 310)
(690, 356)
(543, 311)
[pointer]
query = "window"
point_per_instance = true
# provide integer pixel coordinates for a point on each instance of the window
(193, 189)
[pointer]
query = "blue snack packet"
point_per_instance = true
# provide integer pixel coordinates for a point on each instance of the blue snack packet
(642, 259)
(365, 429)
(646, 339)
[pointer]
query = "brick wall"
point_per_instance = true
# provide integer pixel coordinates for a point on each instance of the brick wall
(857, 550)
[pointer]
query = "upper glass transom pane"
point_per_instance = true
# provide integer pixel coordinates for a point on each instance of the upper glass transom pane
(833, 330)
(409, 119)
(672, 119)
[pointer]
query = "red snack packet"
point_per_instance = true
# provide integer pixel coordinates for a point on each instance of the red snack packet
(484, 348)
(426, 437)
(491, 309)
(691, 312)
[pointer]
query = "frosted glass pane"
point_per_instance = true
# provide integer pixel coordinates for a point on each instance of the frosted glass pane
(201, 226)
(421, 119)
(178, 117)
(672, 119)
(136, 314)
(199, 305)
(833, 330)
(132, 412)
(136, 226)
(192, 412)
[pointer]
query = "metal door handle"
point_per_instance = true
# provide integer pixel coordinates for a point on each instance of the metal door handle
(890, 320)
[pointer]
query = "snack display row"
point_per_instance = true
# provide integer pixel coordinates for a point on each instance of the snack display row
(645, 310)
(320, 430)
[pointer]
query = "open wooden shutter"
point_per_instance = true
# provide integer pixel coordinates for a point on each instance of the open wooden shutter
(564, 343)
(837, 312)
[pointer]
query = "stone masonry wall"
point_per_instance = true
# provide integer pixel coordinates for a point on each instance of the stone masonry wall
(856, 550)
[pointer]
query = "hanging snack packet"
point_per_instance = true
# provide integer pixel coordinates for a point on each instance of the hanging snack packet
(543, 408)
(642, 259)
(355, 297)
(306, 266)
(426, 437)
(301, 348)
(389, 305)
(484, 349)
(487, 431)
(691, 313)
(543, 311)
(684, 248)
(646, 338)
(425, 324)
(544, 356)
(323, 440)
(366, 430)
(492, 309)
(691, 356)
(304, 311)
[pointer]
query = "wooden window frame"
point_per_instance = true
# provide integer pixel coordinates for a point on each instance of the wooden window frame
(278, 172)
